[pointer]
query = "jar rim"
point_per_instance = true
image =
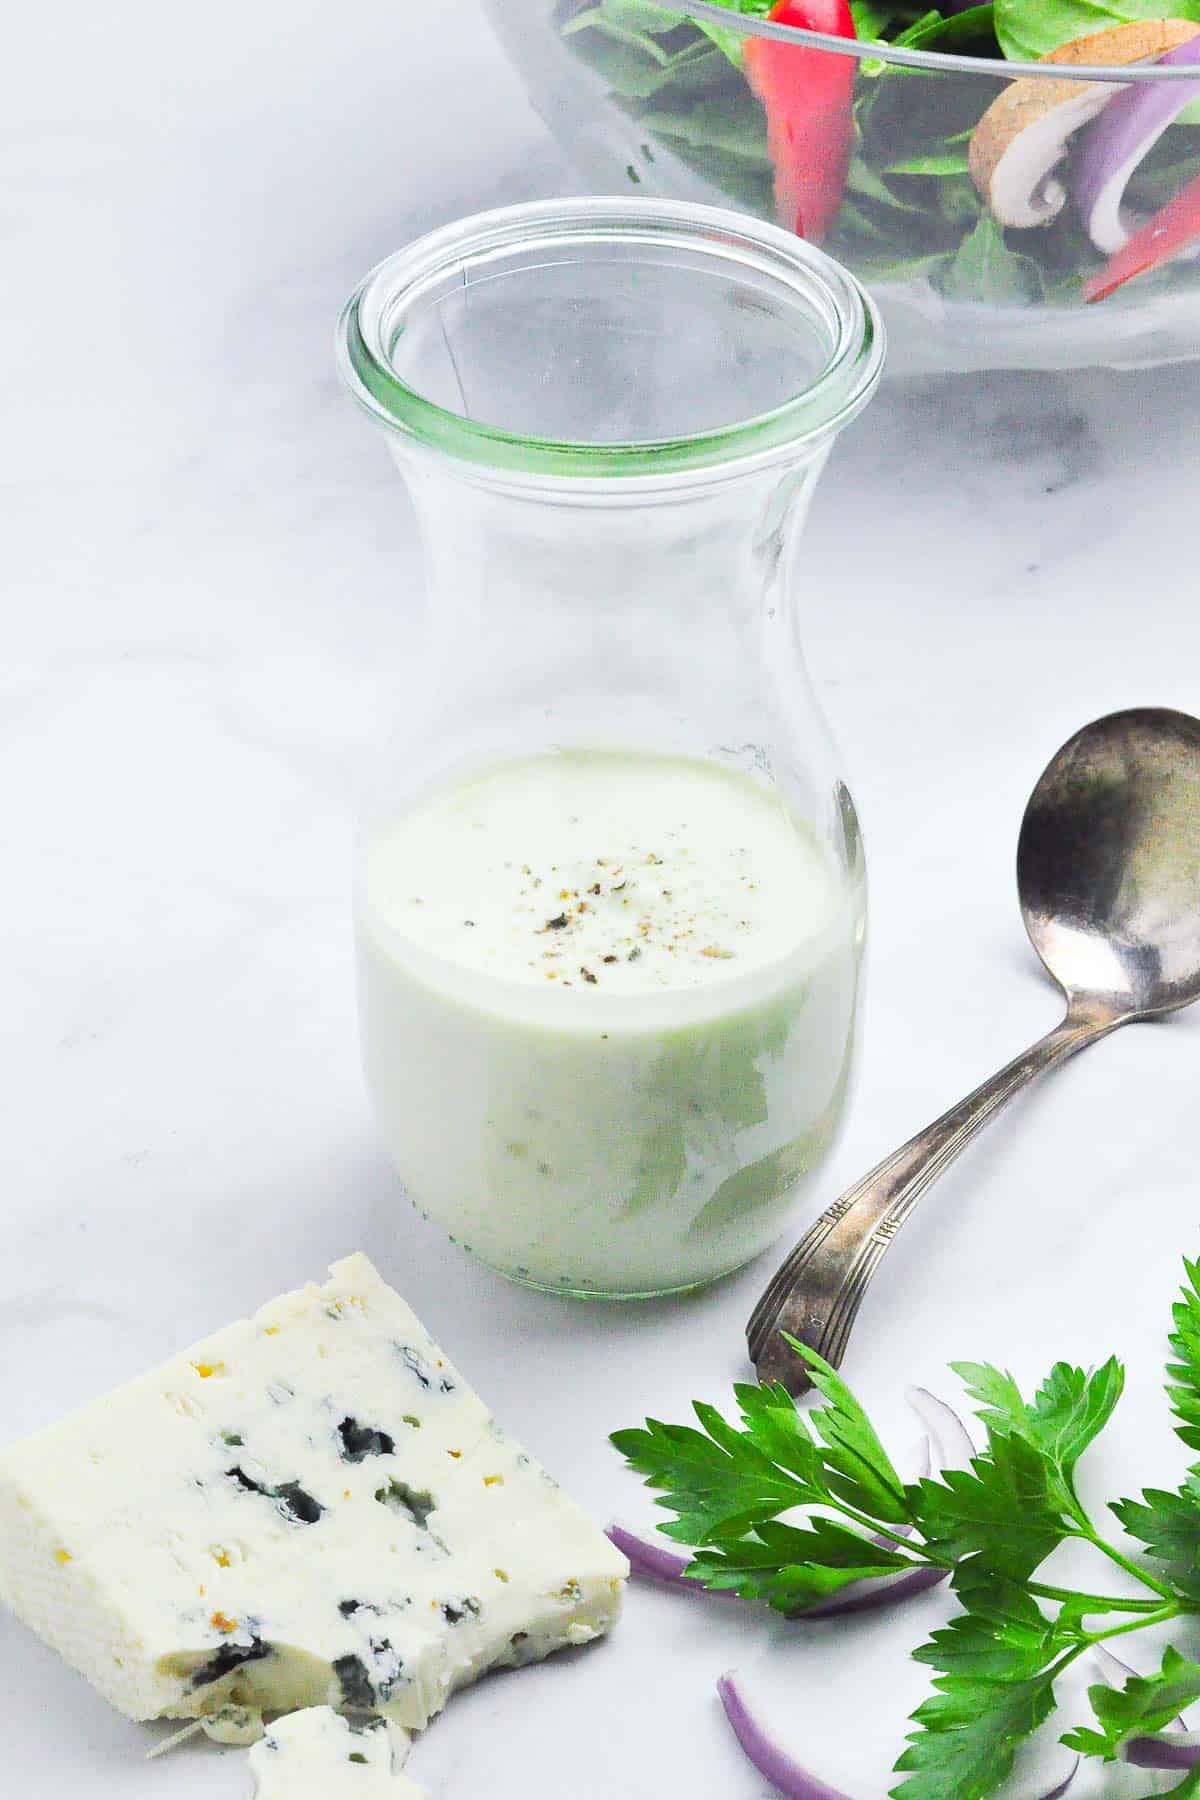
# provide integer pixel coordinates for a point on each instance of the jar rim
(806, 420)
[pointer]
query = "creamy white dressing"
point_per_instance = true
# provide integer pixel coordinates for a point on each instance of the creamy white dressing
(607, 1004)
(627, 873)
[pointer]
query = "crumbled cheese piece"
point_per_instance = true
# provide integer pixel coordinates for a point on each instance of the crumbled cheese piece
(318, 1755)
(320, 1524)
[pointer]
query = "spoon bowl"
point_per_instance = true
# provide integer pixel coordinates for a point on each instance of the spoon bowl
(1108, 863)
(1108, 877)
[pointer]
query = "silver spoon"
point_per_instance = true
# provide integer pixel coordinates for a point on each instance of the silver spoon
(1108, 875)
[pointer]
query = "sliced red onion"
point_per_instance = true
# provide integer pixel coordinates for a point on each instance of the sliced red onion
(1057, 1793)
(1169, 1750)
(919, 1463)
(769, 1757)
(779, 1766)
(952, 1445)
(1113, 1670)
(1110, 149)
(650, 1556)
(874, 1591)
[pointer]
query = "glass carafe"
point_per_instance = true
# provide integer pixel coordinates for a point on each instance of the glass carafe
(610, 894)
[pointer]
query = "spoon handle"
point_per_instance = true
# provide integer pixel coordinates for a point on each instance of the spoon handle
(816, 1293)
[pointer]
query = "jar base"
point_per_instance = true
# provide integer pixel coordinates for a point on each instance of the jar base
(569, 1291)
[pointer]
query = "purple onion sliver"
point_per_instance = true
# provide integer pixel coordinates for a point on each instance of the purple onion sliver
(1169, 1750)
(651, 1558)
(781, 1769)
(1114, 1671)
(952, 1444)
(920, 1460)
(768, 1756)
(1056, 1793)
(874, 1591)
(1119, 139)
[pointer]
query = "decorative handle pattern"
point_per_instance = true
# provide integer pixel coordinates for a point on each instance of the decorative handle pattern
(816, 1293)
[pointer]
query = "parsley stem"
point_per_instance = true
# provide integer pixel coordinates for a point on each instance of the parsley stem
(1159, 1616)
(1088, 1531)
(917, 1550)
(1095, 1602)
(1130, 1567)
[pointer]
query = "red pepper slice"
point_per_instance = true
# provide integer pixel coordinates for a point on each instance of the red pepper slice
(1170, 230)
(808, 96)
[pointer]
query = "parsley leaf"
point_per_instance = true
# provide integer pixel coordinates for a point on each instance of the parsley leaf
(777, 1426)
(1169, 1523)
(1004, 1511)
(1071, 1409)
(968, 1736)
(857, 1467)
(1002, 1635)
(1183, 1375)
(1146, 1704)
(996, 1686)
(716, 1483)
(1068, 1411)
(1169, 1526)
(1001, 1404)
(729, 1486)
(792, 1567)
(734, 1490)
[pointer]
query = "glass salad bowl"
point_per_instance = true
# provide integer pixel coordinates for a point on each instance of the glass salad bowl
(1017, 182)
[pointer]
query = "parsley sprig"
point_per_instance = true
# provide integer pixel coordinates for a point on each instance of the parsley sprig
(790, 1507)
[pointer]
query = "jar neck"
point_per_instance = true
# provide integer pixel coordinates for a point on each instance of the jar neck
(548, 603)
(658, 625)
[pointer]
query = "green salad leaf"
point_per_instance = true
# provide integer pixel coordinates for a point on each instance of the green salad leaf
(984, 267)
(732, 43)
(910, 214)
(1029, 29)
(873, 19)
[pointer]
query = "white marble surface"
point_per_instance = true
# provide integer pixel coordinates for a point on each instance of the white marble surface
(207, 566)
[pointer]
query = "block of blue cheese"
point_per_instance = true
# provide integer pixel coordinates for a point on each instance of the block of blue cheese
(311, 1508)
(319, 1755)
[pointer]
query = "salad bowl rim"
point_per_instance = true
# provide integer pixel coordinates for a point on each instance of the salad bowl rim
(936, 61)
